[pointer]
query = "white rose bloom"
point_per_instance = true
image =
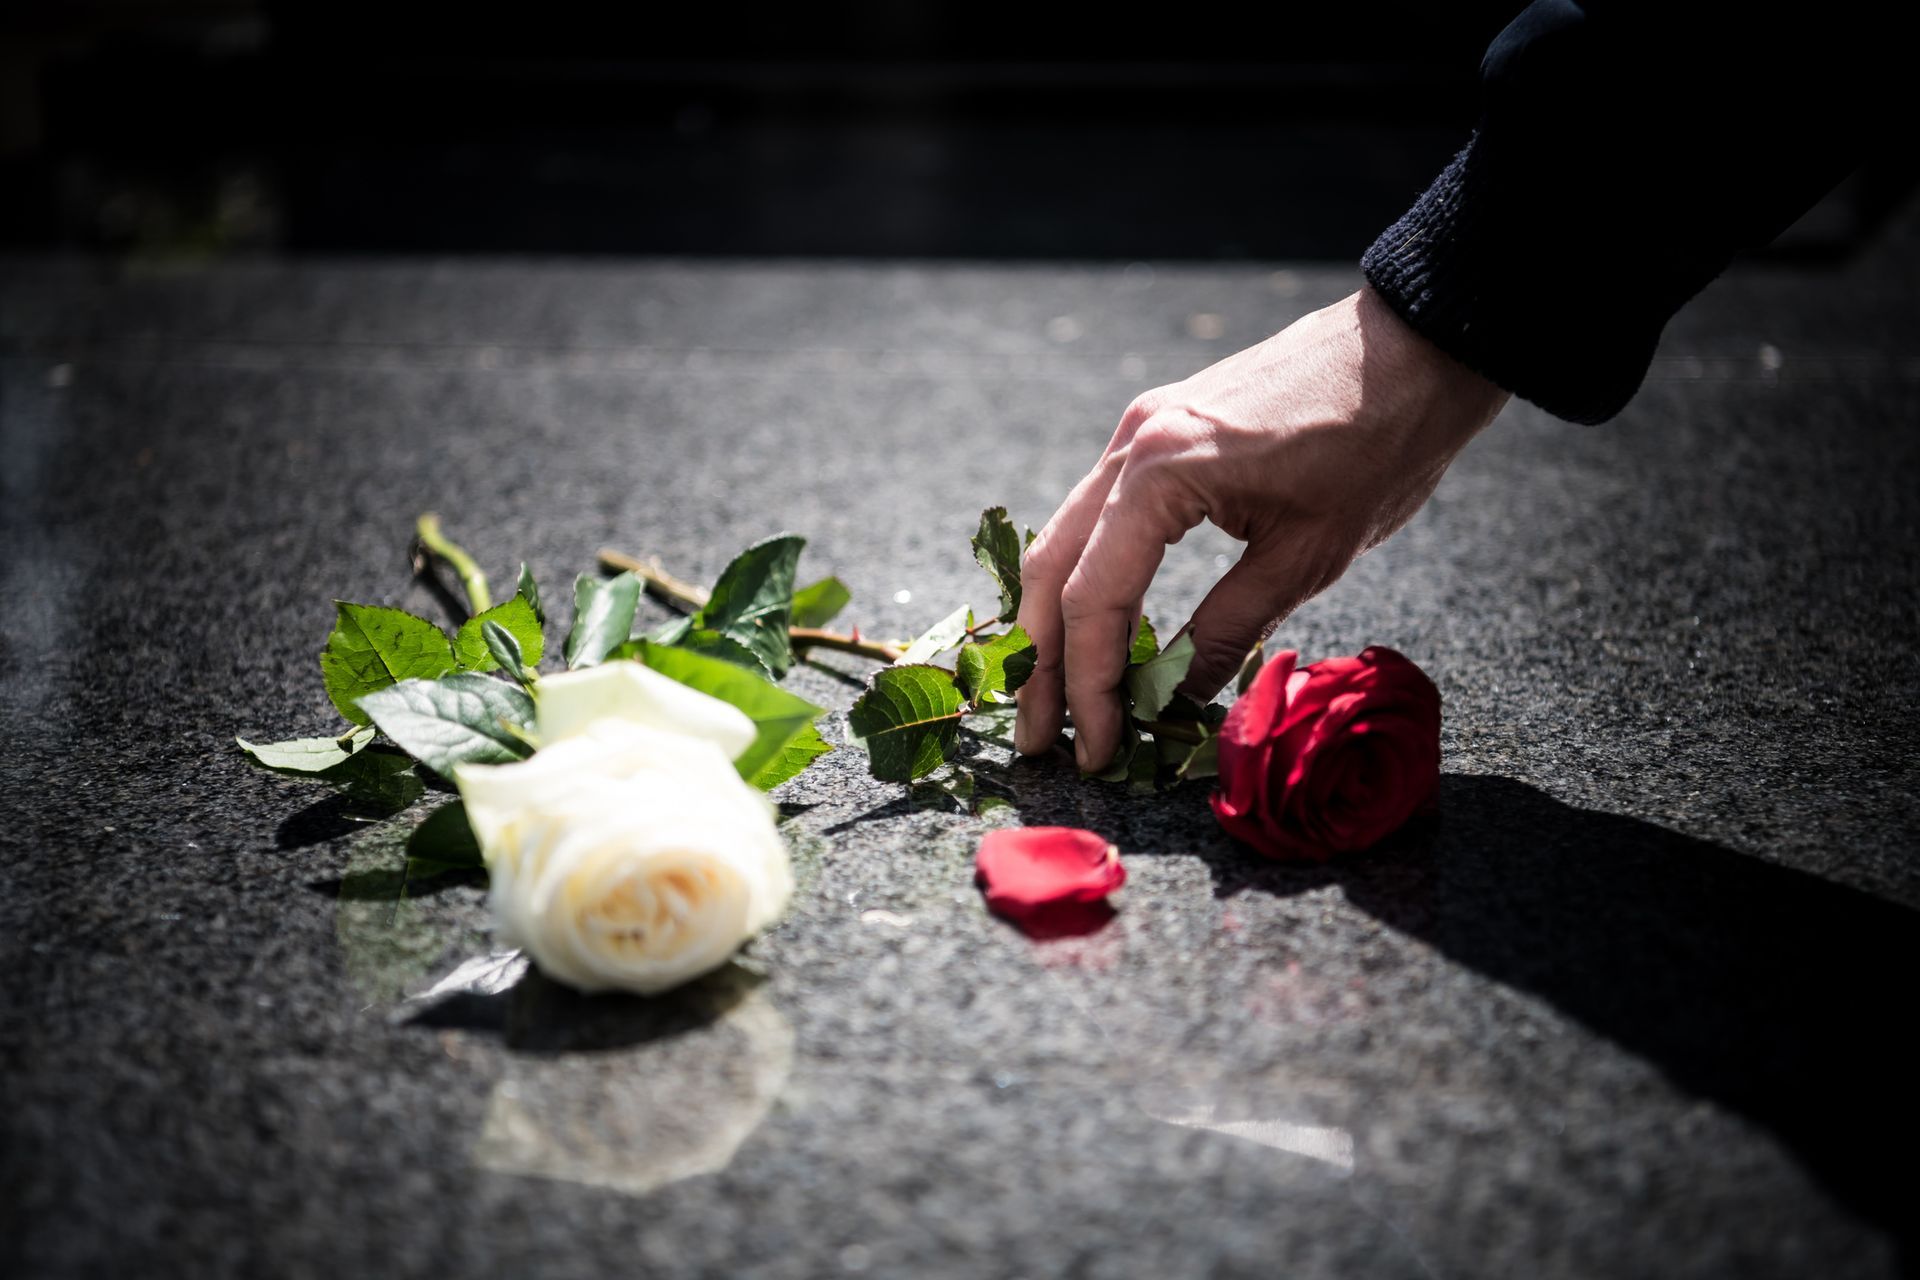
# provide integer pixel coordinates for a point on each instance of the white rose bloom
(565, 704)
(624, 857)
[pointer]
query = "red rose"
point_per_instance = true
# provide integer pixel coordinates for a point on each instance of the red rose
(1329, 758)
(1038, 876)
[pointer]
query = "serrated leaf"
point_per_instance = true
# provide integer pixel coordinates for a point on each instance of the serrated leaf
(1150, 686)
(372, 647)
(987, 672)
(471, 650)
(779, 718)
(997, 547)
(602, 617)
(938, 638)
(908, 720)
(752, 602)
(1145, 643)
(462, 719)
(529, 590)
(445, 839)
(800, 751)
(818, 603)
(506, 653)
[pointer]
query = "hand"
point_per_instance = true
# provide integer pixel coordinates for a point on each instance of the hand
(1311, 448)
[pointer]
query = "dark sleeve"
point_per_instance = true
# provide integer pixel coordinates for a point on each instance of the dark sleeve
(1625, 153)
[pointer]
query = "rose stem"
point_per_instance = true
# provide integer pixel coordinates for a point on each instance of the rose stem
(660, 584)
(427, 529)
(690, 599)
(814, 638)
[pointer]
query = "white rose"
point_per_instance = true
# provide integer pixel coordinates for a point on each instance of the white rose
(626, 857)
(566, 704)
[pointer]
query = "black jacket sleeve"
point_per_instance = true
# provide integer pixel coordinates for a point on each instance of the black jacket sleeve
(1625, 153)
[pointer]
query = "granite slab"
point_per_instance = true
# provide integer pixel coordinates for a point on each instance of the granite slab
(1631, 1005)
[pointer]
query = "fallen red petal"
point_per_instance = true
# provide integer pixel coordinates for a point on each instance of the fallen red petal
(1029, 871)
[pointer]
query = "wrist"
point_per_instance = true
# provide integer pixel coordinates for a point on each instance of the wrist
(1420, 382)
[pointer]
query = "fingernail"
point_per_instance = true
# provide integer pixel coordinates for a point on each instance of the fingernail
(1080, 754)
(1022, 737)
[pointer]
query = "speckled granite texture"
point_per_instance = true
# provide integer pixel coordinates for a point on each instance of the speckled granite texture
(1632, 1006)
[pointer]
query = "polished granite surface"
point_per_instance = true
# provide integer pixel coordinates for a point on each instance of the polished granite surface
(1632, 1005)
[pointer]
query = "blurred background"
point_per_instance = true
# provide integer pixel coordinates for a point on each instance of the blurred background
(933, 129)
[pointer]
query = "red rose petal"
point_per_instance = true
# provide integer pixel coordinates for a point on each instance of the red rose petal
(1028, 870)
(1331, 757)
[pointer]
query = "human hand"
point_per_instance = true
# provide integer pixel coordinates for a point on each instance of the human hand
(1310, 447)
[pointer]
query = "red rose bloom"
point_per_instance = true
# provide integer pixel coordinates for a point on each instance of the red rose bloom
(1329, 758)
(1032, 874)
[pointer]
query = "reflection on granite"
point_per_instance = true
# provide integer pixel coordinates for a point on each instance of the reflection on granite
(638, 1120)
(1633, 1005)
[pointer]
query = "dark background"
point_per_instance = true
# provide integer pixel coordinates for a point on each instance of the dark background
(934, 129)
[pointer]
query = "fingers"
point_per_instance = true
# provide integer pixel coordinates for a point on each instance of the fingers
(1263, 586)
(1100, 609)
(1043, 576)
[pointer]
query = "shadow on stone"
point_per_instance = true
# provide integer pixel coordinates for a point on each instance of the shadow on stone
(1774, 993)
(324, 820)
(539, 1015)
(1771, 992)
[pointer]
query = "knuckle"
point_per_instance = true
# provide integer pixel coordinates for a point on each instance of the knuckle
(1078, 600)
(1155, 444)
(1036, 562)
(1144, 406)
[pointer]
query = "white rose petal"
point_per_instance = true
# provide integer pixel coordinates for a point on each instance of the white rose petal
(565, 704)
(626, 857)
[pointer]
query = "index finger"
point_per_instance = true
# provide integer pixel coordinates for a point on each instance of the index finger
(1043, 574)
(1098, 608)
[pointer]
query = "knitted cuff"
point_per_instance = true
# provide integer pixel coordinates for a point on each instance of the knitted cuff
(1486, 275)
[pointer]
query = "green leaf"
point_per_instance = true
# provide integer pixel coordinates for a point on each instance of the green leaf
(445, 839)
(992, 670)
(1150, 685)
(308, 755)
(463, 719)
(530, 590)
(1186, 740)
(726, 648)
(1250, 669)
(997, 547)
(818, 603)
(1145, 643)
(372, 647)
(471, 650)
(602, 617)
(779, 718)
(802, 750)
(939, 637)
(672, 632)
(1120, 768)
(1191, 762)
(375, 779)
(752, 602)
(908, 720)
(506, 653)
